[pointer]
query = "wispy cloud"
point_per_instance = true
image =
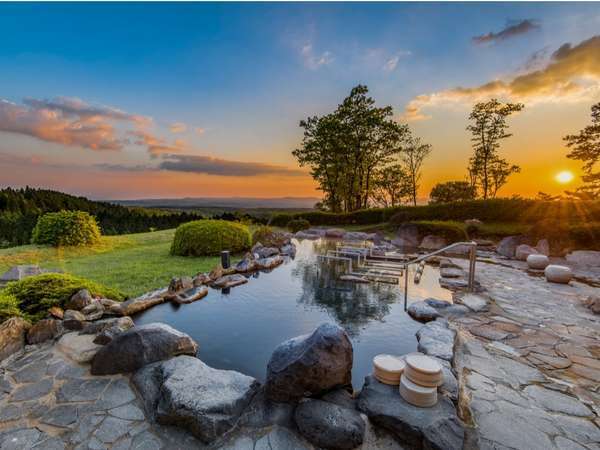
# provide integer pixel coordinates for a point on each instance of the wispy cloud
(572, 73)
(392, 62)
(157, 145)
(178, 127)
(123, 168)
(200, 131)
(314, 60)
(512, 29)
(223, 167)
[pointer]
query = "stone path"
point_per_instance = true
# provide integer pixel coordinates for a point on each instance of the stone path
(50, 402)
(529, 366)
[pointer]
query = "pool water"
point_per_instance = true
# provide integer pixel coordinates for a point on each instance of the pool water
(240, 329)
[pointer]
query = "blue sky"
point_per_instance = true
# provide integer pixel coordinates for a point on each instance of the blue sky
(241, 75)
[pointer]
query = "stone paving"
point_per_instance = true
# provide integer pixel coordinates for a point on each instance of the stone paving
(526, 357)
(529, 365)
(48, 401)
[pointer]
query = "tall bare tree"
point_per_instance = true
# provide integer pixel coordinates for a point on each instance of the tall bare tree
(413, 155)
(488, 170)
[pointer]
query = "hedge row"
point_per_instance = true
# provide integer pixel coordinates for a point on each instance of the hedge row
(496, 210)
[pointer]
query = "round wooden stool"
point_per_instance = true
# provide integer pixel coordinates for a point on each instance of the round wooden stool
(423, 397)
(388, 368)
(424, 371)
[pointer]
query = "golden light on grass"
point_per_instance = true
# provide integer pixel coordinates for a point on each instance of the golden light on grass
(564, 177)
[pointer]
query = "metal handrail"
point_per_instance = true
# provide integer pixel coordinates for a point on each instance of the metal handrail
(472, 259)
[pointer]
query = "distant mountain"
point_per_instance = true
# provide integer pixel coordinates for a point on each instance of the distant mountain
(224, 202)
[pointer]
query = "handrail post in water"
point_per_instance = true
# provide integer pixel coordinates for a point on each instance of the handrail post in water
(405, 286)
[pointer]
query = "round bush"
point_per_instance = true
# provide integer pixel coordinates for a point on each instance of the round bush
(38, 293)
(298, 225)
(66, 228)
(210, 237)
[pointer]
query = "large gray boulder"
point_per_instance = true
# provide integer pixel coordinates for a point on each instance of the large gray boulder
(508, 246)
(436, 339)
(435, 428)
(138, 346)
(328, 425)
(422, 312)
(185, 392)
(310, 365)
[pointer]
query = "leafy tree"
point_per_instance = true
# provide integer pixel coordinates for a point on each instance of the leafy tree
(585, 146)
(346, 148)
(413, 155)
(452, 191)
(391, 186)
(488, 171)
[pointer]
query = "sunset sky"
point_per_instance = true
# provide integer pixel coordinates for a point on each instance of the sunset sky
(121, 101)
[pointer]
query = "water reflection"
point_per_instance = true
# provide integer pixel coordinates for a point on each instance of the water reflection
(240, 329)
(352, 305)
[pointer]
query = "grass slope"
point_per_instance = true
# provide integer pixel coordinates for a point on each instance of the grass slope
(134, 263)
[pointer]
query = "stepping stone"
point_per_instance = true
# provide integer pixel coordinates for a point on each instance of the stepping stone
(421, 396)
(190, 295)
(424, 371)
(537, 262)
(388, 368)
(558, 274)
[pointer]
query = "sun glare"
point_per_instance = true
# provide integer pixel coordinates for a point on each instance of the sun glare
(564, 177)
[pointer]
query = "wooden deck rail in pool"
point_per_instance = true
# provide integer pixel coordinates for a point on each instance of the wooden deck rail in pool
(472, 258)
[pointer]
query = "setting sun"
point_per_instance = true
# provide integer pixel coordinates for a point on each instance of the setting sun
(564, 177)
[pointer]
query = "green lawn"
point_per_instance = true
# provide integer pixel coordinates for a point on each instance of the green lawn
(133, 263)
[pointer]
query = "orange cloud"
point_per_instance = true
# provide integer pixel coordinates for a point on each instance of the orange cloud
(157, 146)
(52, 126)
(67, 121)
(573, 73)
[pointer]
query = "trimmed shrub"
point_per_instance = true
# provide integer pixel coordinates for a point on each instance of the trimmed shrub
(210, 237)
(66, 228)
(38, 293)
(298, 225)
(9, 306)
